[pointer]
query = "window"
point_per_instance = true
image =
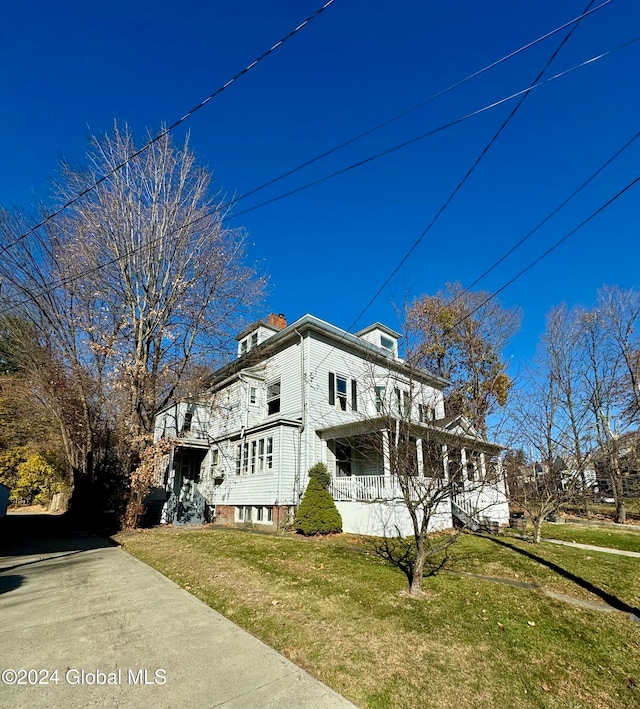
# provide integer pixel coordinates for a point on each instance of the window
(343, 459)
(243, 347)
(387, 343)
(403, 402)
(263, 515)
(339, 392)
(243, 514)
(186, 425)
(253, 395)
(432, 459)
(215, 458)
(254, 339)
(273, 398)
(245, 457)
(254, 456)
(269, 446)
(426, 413)
(380, 392)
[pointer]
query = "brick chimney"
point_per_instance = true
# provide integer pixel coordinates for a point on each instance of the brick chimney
(278, 321)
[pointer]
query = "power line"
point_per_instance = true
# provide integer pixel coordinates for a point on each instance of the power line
(524, 94)
(315, 159)
(547, 252)
(169, 128)
(527, 236)
(150, 242)
(470, 171)
(415, 107)
(429, 133)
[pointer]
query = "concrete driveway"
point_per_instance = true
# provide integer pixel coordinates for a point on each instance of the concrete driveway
(86, 625)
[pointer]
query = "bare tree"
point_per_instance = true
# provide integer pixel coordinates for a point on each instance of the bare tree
(126, 291)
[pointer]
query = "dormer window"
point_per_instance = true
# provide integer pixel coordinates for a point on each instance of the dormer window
(387, 343)
(243, 347)
(254, 340)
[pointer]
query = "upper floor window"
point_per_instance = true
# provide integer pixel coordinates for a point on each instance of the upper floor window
(426, 413)
(253, 395)
(273, 398)
(254, 340)
(339, 391)
(380, 393)
(403, 402)
(387, 343)
(186, 425)
(243, 347)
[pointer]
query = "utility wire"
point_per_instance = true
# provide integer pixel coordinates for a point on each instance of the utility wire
(527, 236)
(336, 148)
(547, 252)
(169, 128)
(422, 136)
(415, 107)
(470, 171)
(65, 281)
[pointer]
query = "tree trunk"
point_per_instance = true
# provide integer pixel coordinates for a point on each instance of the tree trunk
(537, 525)
(418, 570)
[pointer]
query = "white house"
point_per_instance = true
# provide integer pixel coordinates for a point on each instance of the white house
(310, 392)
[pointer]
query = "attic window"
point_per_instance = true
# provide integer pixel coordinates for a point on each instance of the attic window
(254, 340)
(387, 343)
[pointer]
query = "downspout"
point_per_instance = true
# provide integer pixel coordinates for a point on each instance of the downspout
(301, 429)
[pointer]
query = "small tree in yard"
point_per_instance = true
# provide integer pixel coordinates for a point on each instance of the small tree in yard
(317, 513)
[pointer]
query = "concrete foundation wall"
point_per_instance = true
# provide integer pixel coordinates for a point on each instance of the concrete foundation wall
(379, 519)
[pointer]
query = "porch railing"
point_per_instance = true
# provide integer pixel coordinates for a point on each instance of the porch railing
(369, 488)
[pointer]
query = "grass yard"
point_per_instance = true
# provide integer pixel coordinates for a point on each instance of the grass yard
(627, 539)
(340, 612)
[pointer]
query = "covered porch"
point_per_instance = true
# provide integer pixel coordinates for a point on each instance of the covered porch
(459, 471)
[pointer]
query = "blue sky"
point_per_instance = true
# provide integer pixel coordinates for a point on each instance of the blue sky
(71, 67)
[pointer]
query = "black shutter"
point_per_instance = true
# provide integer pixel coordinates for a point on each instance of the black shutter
(332, 389)
(354, 395)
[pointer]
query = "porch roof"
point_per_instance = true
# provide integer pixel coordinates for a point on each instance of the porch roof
(434, 431)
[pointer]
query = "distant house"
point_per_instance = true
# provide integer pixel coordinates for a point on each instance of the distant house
(310, 392)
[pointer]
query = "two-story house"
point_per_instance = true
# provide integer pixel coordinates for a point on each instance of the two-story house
(310, 392)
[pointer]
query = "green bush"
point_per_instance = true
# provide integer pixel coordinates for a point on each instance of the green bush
(317, 513)
(319, 472)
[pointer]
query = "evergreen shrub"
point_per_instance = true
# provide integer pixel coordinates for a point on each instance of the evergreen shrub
(317, 513)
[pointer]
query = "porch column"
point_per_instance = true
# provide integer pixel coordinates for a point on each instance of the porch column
(463, 465)
(483, 466)
(386, 453)
(445, 463)
(323, 451)
(419, 457)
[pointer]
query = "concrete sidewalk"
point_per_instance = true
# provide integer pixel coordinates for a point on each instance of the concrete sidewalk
(80, 612)
(592, 547)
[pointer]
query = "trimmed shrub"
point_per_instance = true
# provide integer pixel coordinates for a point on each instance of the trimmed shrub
(319, 472)
(317, 513)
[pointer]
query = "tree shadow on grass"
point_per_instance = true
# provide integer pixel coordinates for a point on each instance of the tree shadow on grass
(608, 598)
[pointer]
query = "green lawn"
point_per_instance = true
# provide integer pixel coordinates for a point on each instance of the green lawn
(339, 611)
(625, 538)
